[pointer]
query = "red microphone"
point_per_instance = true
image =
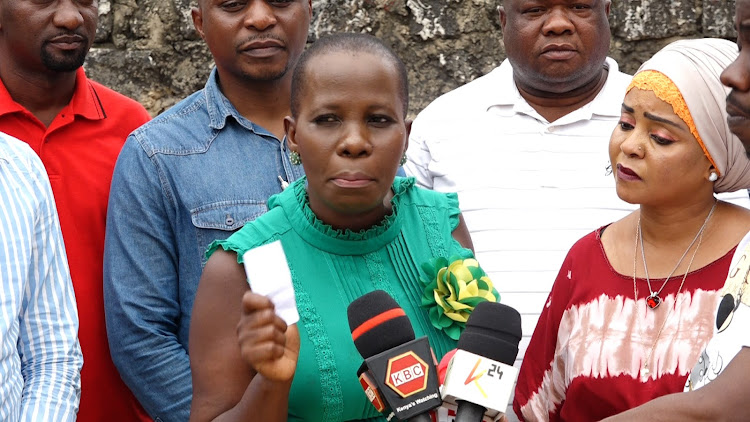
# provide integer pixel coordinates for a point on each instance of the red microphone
(443, 365)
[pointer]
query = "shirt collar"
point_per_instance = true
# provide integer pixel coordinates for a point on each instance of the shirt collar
(505, 86)
(7, 105)
(85, 101)
(609, 100)
(509, 100)
(6, 148)
(220, 108)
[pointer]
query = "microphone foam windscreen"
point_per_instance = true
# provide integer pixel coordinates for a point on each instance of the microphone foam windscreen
(378, 324)
(493, 331)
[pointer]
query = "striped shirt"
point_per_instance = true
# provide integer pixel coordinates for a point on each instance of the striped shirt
(40, 359)
(527, 188)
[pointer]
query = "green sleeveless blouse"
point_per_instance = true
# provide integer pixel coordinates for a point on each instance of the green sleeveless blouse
(330, 268)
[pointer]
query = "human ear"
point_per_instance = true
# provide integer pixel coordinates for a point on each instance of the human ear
(290, 128)
(713, 175)
(503, 17)
(197, 15)
(408, 132)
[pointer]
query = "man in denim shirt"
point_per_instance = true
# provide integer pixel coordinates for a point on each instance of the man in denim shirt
(196, 173)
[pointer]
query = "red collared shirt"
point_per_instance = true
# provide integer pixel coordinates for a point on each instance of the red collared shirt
(79, 150)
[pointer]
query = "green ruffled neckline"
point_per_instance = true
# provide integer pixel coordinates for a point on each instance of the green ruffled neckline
(399, 186)
(308, 226)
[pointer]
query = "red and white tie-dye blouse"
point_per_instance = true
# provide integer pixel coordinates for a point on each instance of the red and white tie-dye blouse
(586, 358)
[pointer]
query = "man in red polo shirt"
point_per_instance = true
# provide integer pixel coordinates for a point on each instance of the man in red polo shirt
(77, 127)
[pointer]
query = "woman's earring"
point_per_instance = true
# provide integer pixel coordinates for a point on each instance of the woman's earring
(294, 158)
(713, 176)
(403, 160)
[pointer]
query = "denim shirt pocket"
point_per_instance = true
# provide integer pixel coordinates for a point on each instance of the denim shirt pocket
(218, 220)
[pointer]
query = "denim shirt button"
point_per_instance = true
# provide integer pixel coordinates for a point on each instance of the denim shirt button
(229, 221)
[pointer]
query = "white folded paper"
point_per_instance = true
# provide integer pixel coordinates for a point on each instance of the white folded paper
(268, 273)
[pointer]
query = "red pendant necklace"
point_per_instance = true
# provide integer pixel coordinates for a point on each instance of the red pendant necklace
(654, 300)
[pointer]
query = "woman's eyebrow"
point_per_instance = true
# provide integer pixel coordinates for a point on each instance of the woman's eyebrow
(653, 117)
(662, 120)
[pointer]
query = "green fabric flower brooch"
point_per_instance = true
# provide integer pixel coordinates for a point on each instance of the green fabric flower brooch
(451, 291)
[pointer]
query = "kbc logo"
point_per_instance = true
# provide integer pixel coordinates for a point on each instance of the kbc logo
(407, 374)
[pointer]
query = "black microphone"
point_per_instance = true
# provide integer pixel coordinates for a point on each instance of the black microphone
(727, 306)
(481, 377)
(402, 367)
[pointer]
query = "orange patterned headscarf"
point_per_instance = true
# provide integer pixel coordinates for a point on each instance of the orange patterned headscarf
(667, 91)
(685, 74)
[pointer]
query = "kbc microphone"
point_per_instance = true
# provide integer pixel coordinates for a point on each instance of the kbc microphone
(401, 366)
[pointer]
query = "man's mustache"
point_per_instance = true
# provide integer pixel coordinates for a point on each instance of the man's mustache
(261, 37)
(68, 36)
(736, 104)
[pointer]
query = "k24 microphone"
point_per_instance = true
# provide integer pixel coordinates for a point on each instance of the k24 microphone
(447, 412)
(402, 367)
(480, 377)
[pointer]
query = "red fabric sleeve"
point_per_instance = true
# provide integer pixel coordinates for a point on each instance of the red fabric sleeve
(542, 375)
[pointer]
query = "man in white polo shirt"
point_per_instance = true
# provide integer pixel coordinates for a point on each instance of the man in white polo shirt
(525, 147)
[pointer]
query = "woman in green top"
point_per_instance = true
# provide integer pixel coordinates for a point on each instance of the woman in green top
(348, 228)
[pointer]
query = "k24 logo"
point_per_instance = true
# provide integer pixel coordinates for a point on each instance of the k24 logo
(493, 372)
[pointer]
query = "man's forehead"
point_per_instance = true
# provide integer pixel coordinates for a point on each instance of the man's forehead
(207, 2)
(743, 7)
(510, 2)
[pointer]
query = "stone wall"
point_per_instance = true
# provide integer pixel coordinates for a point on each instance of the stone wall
(149, 50)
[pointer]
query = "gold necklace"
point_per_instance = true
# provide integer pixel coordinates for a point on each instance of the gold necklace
(654, 300)
(645, 372)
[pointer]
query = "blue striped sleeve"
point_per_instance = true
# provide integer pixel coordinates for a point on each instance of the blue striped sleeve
(40, 358)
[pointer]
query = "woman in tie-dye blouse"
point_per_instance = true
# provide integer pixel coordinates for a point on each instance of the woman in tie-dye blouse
(633, 304)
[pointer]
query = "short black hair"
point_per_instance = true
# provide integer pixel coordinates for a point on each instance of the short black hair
(347, 42)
